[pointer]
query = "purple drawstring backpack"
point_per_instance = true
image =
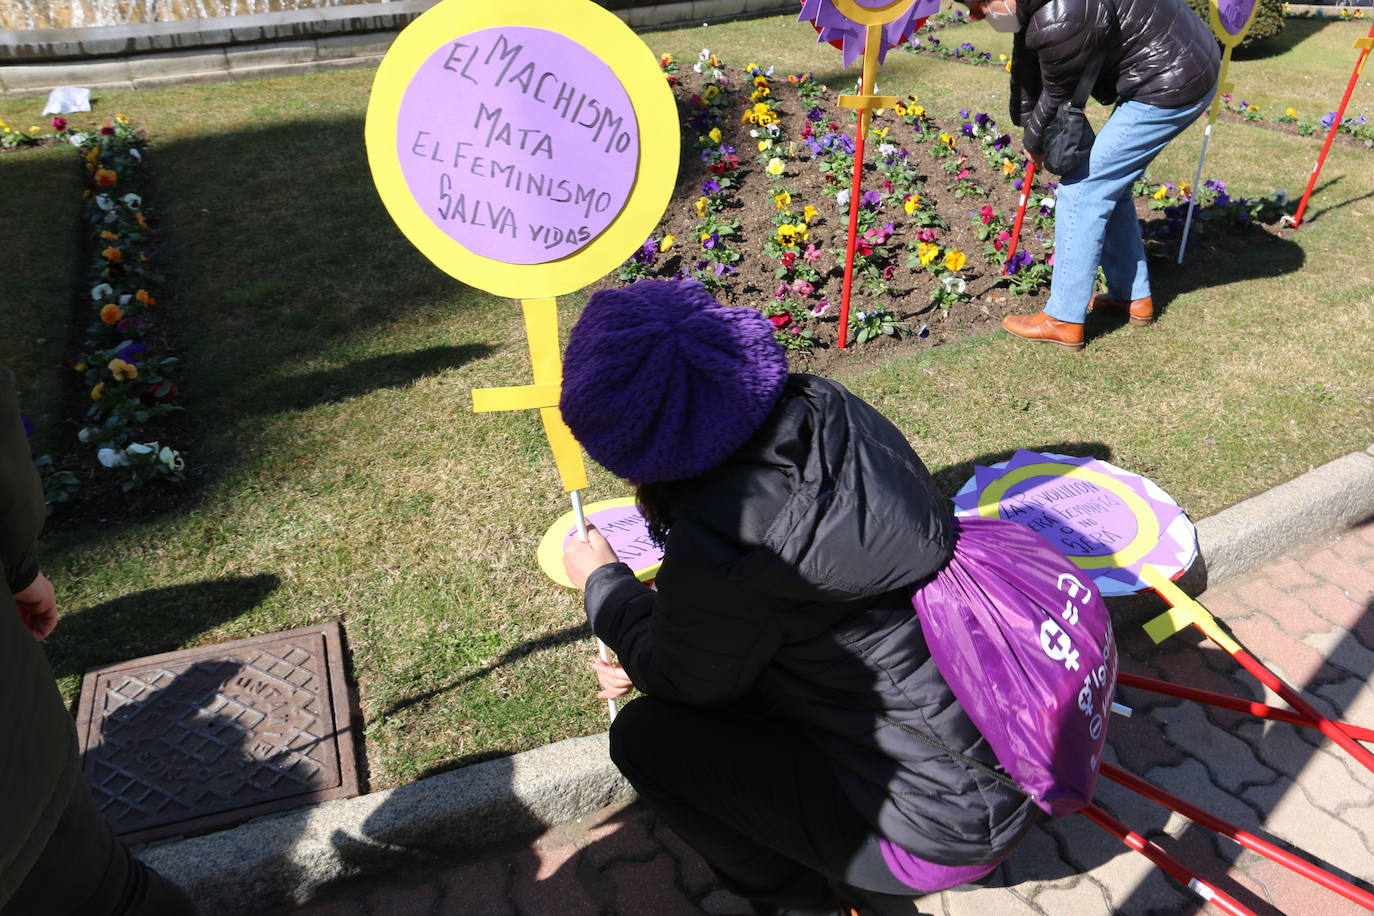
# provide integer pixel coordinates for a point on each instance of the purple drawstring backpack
(1025, 643)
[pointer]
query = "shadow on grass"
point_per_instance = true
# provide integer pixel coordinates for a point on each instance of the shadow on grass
(551, 641)
(1217, 257)
(150, 622)
(1294, 33)
(331, 386)
(950, 478)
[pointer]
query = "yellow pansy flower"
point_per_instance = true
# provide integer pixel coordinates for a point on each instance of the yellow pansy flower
(765, 145)
(1290, 112)
(947, 140)
(775, 166)
(927, 252)
(1008, 166)
(710, 92)
(715, 135)
(668, 242)
(912, 203)
(809, 213)
(702, 204)
(122, 371)
(1160, 193)
(782, 200)
(955, 259)
(97, 391)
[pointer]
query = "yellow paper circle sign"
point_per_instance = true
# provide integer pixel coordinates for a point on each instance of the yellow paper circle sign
(873, 12)
(621, 524)
(1230, 19)
(526, 149)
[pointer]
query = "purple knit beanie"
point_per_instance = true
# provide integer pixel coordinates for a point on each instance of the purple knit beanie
(661, 382)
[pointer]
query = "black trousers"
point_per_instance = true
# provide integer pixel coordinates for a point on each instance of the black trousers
(85, 871)
(760, 804)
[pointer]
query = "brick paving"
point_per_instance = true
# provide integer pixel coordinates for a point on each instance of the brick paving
(1308, 614)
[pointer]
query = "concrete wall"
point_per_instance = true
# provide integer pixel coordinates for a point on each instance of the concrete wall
(147, 56)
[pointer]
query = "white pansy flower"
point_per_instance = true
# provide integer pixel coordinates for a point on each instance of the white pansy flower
(101, 291)
(842, 198)
(1047, 202)
(139, 448)
(77, 140)
(103, 202)
(86, 433)
(132, 200)
(111, 458)
(133, 151)
(954, 284)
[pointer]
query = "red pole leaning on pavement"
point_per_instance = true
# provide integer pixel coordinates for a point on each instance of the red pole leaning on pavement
(1187, 612)
(1364, 44)
(1020, 215)
(1175, 869)
(1221, 700)
(1250, 841)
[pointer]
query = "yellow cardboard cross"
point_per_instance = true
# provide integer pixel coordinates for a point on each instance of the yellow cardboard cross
(1183, 613)
(541, 327)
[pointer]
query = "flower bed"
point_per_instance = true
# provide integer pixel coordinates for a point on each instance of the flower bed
(124, 360)
(765, 224)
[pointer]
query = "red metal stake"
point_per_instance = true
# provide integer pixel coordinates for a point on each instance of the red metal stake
(1175, 869)
(1293, 698)
(865, 101)
(852, 244)
(1020, 215)
(1254, 843)
(1365, 43)
(1260, 710)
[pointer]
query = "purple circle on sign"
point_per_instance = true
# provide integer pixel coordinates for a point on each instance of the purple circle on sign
(628, 535)
(519, 144)
(1234, 14)
(1079, 517)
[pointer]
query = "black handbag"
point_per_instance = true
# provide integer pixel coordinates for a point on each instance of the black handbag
(1068, 137)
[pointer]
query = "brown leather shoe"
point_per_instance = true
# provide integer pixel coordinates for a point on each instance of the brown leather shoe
(1044, 328)
(1140, 311)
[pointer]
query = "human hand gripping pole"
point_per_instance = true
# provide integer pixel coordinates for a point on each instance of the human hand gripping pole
(603, 653)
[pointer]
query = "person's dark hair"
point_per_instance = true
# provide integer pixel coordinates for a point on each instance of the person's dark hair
(655, 501)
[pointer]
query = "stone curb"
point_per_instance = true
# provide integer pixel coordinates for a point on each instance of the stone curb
(288, 858)
(189, 51)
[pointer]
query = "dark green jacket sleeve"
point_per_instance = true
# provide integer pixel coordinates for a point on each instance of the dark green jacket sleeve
(21, 495)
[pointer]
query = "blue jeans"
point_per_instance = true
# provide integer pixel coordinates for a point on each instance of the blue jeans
(1095, 221)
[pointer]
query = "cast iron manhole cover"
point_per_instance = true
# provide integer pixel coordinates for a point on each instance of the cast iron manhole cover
(201, 739)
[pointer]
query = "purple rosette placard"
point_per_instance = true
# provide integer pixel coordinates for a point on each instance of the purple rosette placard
(519, 144)
(1234, 14)
(1094, 515)
(837, 28)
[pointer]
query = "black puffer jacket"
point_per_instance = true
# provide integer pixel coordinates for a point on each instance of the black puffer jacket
(786, 587)
(1164, 56)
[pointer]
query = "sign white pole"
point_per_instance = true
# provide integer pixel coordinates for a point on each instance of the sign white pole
(580, 517)
(1197, 182)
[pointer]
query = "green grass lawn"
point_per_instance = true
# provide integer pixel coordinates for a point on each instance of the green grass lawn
(329, 370)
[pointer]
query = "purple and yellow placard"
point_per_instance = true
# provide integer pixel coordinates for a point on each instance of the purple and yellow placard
(526, 148)
(621, 524)
(1230, 19)
(1109, 522)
